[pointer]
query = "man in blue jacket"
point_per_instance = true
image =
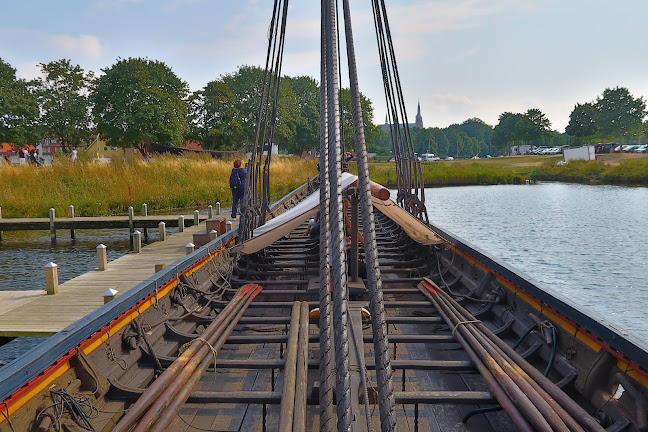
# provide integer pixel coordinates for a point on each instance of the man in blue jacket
(237, 184)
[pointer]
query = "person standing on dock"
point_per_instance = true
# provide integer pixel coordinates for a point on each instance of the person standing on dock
(237, 184)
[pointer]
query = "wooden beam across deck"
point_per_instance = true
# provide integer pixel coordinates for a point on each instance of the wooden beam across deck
(34, 313)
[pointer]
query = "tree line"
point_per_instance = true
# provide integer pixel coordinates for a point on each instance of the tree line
(137, 100)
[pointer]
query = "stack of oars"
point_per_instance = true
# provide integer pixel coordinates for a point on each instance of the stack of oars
(532, 401)
(160, 403)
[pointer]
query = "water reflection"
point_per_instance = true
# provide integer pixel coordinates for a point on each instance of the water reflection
(587, 243)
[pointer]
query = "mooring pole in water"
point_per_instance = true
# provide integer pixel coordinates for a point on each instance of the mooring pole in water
(196, 217)
(131, 225)
(51, 278)
(189, 248)
(210, 211)
(71, 213)
(162, 231)
(217, 208)
(102, 257)
(145, 213)
(180, 223)
(52, 214)
(137, 242)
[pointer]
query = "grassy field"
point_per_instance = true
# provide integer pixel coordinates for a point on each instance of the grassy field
(608, 168)
(165, 182)
(195, 181)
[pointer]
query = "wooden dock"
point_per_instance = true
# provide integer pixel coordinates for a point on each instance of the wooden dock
(101, 222)
(34, 313)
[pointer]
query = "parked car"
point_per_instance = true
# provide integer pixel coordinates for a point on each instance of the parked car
(641, 149)
(630, 148)
(449, 158)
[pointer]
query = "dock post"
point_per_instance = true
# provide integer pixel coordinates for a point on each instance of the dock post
(196, 217)
(189, 248)
(52, 214)
(51, 278)
(228, 225)
(210, 211)
(137, 242)
(159, 267)
(180, 223)
(218, 208)
(71, 213)
(145, 213)
(131, 225)
(102, 257)
(162, 229)
(212, 235)
(109, 295)
(0, 218)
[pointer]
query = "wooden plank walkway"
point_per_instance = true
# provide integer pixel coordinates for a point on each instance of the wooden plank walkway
(34, 313)
(24, 224)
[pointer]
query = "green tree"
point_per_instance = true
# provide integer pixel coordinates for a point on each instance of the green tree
(64, 102)
(307, 98)
(371, 131)
(214, 117)
(620, 115)
(137, 100)
(532, 126)
(505, 133)
(19, 113)
(582, 121)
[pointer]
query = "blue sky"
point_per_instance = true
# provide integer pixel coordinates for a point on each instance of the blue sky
(460, 58)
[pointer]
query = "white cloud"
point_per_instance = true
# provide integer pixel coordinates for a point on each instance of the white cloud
(82, 46)
(29, 70)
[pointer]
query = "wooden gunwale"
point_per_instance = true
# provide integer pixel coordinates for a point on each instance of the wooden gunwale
(36, 385)
(595, 343)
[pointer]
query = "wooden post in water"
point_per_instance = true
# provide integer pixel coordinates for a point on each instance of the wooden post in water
(52, 214)
(145, 213)
(102, 257)
(196, 217)
(162, 231)
(71, 213)
(131, 225)
(210, 211)
(180, 223)
(189, 248)
(51, 278)
(218, 208)
(137, 242)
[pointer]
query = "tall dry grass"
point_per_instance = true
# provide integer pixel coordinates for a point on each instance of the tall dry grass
(165, 182)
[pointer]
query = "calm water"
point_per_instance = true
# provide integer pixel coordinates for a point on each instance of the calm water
(24, 254)
(587, 243)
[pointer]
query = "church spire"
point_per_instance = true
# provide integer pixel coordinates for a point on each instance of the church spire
(419, 119)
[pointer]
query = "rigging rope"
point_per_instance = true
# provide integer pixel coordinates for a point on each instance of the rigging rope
(256, 201)
(325, 307)
(338, 265)
(408, 167)
(379, 327)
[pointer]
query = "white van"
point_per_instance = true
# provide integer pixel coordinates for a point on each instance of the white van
(428, 157)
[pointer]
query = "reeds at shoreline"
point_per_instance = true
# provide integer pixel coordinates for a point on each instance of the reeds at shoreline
(100, 189)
